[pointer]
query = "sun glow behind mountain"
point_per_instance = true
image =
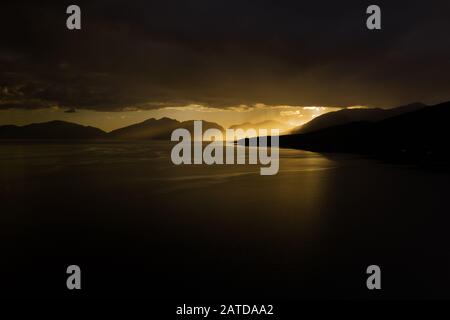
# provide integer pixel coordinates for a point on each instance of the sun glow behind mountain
(282, 117)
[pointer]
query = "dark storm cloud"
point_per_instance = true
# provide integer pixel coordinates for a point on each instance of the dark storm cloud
(149, 54)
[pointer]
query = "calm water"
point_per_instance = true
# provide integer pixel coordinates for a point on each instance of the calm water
(138, 225)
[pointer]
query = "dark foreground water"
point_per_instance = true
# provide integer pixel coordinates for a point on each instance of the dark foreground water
(139, 226)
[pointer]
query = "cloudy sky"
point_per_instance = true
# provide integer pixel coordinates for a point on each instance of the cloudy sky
(228, 61)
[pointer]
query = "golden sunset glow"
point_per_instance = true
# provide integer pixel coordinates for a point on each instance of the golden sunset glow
(282, 117)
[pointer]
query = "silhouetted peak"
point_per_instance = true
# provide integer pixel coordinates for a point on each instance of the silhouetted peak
(167, 119)
(163, 120)
(409, 105)
(346, 116)
(55, 129)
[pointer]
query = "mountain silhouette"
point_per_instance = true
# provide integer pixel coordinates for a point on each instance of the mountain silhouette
(346, 116)
(267, 124)
(420, 134)
(158, 129)
(148, 129)
(51, 130)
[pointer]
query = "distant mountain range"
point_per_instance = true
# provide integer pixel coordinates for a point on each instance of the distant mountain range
(158, 129)
(149, 129)
(413, 130)
(268, 125)
(345, 116)
(421, 133)
(51, 130)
